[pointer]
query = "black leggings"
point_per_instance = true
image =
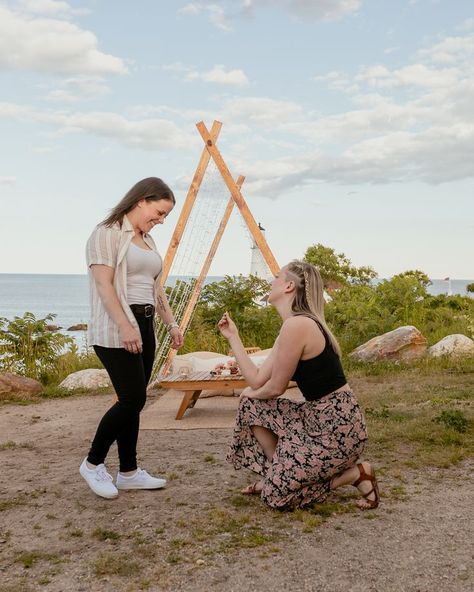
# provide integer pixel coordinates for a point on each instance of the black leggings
(129, 374)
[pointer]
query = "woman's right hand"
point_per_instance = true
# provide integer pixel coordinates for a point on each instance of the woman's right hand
(131, 339)
(227, 326)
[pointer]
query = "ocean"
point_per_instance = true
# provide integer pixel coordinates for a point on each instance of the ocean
(67, 296)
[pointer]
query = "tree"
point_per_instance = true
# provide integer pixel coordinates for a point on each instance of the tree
(336, 267)
(240, 296)
(470, 287)
(233, 294)
(420, 276)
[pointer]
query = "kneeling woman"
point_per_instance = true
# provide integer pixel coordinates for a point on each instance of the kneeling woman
(304, 449)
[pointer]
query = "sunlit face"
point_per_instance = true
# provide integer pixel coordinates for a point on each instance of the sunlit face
(151, 213)
(279, 284)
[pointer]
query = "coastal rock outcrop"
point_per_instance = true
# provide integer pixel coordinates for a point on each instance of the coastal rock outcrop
(52, 328)
(404, 343)
(12, 384)
(78, 327)
(88, 380)
(452, 345)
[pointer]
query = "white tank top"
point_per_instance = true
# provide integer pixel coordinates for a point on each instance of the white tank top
(143, 266)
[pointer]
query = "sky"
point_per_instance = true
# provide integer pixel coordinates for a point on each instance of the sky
(352, 121)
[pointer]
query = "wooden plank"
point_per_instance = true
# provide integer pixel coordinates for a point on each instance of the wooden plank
(238, 198)
(186, 385)
(188, 205)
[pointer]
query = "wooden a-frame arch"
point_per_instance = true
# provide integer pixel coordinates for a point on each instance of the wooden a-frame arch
(209, 151)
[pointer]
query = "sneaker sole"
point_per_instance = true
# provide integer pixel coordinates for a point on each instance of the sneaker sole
(124, 487)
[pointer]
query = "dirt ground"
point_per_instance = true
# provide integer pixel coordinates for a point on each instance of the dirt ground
(199, 533)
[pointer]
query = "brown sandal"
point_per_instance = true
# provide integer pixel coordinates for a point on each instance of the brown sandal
(252, 489)
(363, 476)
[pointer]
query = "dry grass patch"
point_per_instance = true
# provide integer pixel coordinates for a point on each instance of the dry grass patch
(116, 564)
(30, 558)
(102, 534)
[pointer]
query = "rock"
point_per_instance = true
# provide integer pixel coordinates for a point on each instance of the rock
(89, 379)
(78, 327)
(452, 345)
(12, 384)
(52, 328)
(404, 343)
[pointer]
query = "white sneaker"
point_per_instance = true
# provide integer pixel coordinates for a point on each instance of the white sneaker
(141, 480)
(99, 480)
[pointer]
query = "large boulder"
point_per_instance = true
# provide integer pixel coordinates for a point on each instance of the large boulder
(404, 343)
(12, 384)
(78, 327)
(452, 345)
(89, 380)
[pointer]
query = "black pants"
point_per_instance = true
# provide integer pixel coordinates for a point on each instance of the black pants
(129, 374)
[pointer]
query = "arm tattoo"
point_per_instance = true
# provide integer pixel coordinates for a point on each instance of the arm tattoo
(161, 304)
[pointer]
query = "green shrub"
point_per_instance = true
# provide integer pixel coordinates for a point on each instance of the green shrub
(27, 347)
(453, 419)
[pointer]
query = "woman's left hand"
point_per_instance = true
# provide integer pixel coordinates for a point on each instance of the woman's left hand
(177, 338)
(247, 392)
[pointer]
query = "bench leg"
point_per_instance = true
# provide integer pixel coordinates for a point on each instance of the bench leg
(189, 400)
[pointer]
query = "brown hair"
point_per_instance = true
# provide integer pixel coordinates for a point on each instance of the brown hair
(309, 296)
(151, 189)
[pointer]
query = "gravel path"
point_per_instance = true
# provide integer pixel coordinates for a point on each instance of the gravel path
(420, 539)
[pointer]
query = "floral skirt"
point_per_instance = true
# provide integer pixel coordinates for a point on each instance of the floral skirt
(316, 441)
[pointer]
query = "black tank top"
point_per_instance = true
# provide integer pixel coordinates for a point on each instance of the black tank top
(320, 375)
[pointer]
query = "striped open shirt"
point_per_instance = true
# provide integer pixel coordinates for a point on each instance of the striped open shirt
(108, 245)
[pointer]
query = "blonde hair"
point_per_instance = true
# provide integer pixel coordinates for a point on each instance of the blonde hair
(309, 296)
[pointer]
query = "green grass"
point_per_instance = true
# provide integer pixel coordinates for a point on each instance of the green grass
(421, 367)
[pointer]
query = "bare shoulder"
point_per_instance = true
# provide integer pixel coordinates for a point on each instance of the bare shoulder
(304, 327)
(298, 322)
(296, 327)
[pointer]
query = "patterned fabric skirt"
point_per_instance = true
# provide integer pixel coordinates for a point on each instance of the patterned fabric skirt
(316, 441)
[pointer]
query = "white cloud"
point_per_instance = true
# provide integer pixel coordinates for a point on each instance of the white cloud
(51, 45)
(451, 50)
(147, 134)
(78, 88)
(467, 25)
(413, 75)
(221, 13)
(49, 7)
(412, 123)
(7, 181)
(259, 110)
(421, 130)
(313, 9)
(215, 12)
(219, 75)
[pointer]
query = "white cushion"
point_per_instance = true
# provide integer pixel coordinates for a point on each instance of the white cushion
(210, 363)
(258, 360)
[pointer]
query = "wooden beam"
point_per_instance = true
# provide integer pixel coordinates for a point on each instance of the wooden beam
(238, 199)
(188, 205)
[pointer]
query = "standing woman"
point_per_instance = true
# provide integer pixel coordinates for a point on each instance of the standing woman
(124, 272)
(301, 450)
